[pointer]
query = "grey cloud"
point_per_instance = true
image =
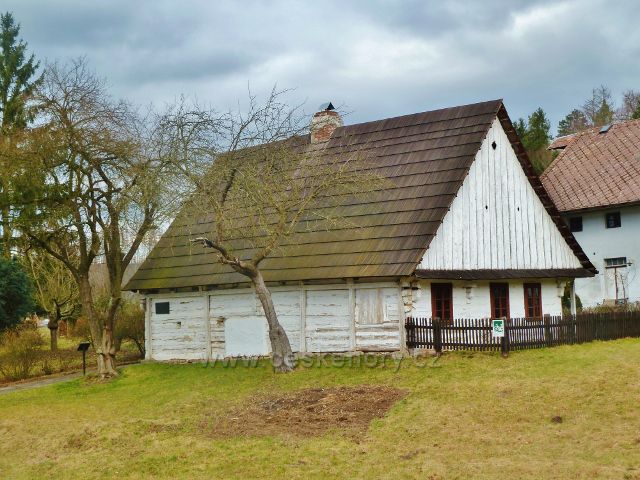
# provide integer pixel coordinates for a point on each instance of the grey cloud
(378, 57)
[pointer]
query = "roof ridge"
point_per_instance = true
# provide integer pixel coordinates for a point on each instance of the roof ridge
(497, 101)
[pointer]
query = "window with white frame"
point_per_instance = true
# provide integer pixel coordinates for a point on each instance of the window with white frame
(615, 262)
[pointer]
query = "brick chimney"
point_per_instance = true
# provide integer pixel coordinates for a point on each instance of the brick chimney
(324, 123)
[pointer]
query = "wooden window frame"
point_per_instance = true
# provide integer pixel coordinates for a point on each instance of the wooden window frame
(575, 224)
(617, 222)
(437, 286)
(492, 298)
(525, 286)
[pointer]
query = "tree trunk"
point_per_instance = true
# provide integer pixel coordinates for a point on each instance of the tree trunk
(109, 344)
(108, 368)
(280, 346)
(53, 331)
(101, 335)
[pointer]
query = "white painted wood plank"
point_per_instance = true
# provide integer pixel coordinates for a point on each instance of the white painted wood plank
(515, 232)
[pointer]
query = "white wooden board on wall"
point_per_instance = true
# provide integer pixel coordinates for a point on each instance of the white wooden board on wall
(497, 221)
(287, 305)
(327, 321)
(245, 337)
(180, 334)
(245, 329)
(377, 317)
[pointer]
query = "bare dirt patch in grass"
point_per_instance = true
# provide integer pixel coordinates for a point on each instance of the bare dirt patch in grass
(306, 413)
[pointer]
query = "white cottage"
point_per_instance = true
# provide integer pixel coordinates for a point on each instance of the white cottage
(595, 183)
(464, 229)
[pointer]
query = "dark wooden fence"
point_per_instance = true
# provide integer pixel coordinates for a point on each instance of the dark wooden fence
(520, 333)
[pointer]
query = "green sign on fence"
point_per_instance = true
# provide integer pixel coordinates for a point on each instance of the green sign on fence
(497, 327)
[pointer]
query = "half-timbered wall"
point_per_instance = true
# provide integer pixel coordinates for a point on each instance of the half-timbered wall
(337, 318)
(181, 333)
(497, 220)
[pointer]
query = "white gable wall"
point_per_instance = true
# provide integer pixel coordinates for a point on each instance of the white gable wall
(497, 220)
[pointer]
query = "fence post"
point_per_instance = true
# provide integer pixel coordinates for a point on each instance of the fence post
(504, 343)
(547, 330)
(437, 336)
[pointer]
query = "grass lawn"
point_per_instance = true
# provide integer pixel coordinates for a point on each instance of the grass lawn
(66, 359)
(466, 416)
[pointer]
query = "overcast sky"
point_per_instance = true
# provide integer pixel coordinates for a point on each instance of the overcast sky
(377, 58)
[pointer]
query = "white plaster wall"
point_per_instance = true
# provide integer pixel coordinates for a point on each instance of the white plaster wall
(599, 242)
(497, 220)
(478, 304)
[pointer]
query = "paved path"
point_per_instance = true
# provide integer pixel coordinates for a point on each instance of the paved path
(38, 383)
(42, 382)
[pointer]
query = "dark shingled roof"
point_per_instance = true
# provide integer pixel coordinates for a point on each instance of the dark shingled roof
(425, 155)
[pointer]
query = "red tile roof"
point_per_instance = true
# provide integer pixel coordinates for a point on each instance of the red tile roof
(597, 170)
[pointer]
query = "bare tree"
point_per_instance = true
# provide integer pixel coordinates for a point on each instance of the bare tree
(599, 109)
(98, 191)
(267, 187)
(56, 290)
(630, 105)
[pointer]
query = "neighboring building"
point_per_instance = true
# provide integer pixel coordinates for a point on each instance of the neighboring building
(464, 229)
(595, 184)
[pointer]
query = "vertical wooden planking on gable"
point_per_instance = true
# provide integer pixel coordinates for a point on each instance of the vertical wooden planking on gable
(545, 240)
(456, 240)
(475, 212)
(524, 207)
(533, 227)
(494, 205)
(448, 245)
(506, 222)
(467, 219)
(485, 230)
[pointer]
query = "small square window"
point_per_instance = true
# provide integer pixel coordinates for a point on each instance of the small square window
(162, 308)
(575, 224)
(613, 220)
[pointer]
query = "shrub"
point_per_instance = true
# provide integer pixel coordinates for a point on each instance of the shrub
(21, 352)
(16, 299)
(609, 308)
(130, 324)
(80, 329)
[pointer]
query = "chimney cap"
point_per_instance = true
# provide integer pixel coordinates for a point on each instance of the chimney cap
(326, 107)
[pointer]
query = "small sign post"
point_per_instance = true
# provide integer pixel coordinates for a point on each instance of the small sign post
(497, 328)
(83, 347)
(498, 331)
